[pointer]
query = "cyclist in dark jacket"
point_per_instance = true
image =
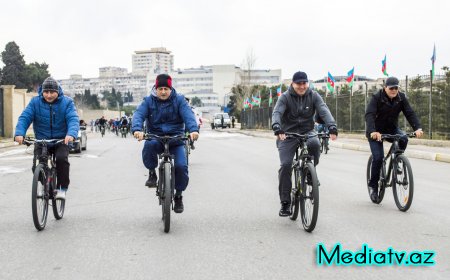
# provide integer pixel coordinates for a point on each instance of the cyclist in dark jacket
(382, 118)
(166, 113)
(294, 112)
(54, 117)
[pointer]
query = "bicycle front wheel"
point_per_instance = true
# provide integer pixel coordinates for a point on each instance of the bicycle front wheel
(39, 198)
(402, 183)
(167, 200)
(58, 205)
(309, 197)
(295, 193)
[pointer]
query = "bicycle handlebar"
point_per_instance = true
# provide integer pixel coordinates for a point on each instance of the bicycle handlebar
(397, 136)
(165, 138)
(30, 141)
(323, 135)
(299, 136)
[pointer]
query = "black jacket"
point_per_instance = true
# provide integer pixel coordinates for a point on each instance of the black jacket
(382, 113)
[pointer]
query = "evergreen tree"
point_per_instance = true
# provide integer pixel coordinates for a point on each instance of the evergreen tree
(14, 70)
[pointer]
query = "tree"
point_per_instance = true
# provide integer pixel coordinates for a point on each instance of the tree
(35, 74)
(196, 102)
(14, 70)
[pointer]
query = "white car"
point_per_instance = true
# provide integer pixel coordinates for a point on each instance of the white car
(217, 121)
(81, 142)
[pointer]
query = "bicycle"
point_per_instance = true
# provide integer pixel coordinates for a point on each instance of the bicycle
(102, 130)
(396, 172)
(166, 181)
(305, 184)
(44, 184)
(187, 147)
(324, 142)
(123, 131)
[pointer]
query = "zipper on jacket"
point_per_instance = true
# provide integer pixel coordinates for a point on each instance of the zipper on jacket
(51, 122)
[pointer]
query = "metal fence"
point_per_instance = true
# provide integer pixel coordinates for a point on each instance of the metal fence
(349, 110)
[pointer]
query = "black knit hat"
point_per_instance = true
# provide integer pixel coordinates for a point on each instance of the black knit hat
(50, 84)
(163, 80)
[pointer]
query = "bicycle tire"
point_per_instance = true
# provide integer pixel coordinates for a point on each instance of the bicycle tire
(381, 184)
(309, 196)
(39, 198)
(58, 205)
(404, 201)
(295, 194)
(167, 202)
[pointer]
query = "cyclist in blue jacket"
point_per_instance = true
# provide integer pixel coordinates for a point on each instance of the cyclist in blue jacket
(54, 117)
(166, 113)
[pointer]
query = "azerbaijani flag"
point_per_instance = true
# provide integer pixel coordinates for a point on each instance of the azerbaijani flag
(256, 101)
(279, 91)
(433, 59)
(330, 82)
(351, 76)
(383, 66)
(270, 97)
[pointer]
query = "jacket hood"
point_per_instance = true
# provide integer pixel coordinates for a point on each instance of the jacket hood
(60, 92)
(173, 94)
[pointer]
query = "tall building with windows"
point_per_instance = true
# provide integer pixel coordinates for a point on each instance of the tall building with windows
(155, 60)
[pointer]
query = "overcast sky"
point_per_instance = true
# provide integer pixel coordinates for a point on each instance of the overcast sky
(316, 36)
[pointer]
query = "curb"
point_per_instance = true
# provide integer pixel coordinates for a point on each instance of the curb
(441, 157)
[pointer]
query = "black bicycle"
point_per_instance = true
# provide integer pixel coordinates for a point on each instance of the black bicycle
(187, 147)
(305, 185)
(324, 142)
(166, 181)
(44, 183)
(396, 172)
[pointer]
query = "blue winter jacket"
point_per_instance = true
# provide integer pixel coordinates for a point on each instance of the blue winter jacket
(50, 120)
(164, 117)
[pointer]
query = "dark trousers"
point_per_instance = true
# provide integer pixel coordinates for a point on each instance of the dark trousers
(61, 152)
(286, 151)
(376, 147)
(150, 158)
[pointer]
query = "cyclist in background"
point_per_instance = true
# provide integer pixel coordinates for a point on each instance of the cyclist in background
(54, 117)
(382, 118)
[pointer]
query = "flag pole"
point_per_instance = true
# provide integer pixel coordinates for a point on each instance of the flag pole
(351, 94)
(430, 134)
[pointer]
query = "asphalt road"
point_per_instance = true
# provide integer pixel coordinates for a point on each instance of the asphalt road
(230, 229)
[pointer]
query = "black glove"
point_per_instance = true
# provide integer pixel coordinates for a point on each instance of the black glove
(277, 129)
(333, 130)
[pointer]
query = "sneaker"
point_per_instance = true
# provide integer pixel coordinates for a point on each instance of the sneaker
(178, 207)
(61, 194)
(373, 192)
(285, 209)
(152, 179)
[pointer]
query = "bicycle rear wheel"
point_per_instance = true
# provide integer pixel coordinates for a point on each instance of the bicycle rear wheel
(39, 198)
(295, 193)
(167, 200)
(309, 197)
(58, 205)
(403, 183)
(381, 184)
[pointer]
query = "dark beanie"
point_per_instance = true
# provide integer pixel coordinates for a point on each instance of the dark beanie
(163, 80)
(50, 84)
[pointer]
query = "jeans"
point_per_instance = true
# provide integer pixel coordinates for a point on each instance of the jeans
(150, 158)
(286, 150)
(376, 147)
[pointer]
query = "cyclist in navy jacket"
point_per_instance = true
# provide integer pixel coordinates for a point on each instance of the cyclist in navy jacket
(54, 117)
(166, 113)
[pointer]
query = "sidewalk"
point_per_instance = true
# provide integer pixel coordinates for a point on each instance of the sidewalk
(436, 150)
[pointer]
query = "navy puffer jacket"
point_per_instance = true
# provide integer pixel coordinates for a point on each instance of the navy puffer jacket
(50, 121)
(165, 117)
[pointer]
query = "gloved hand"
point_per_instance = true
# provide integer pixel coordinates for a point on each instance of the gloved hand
(333, 130)
(277, 129)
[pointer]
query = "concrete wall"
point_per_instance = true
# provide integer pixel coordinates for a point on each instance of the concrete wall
(88, 115)
(14, 102)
